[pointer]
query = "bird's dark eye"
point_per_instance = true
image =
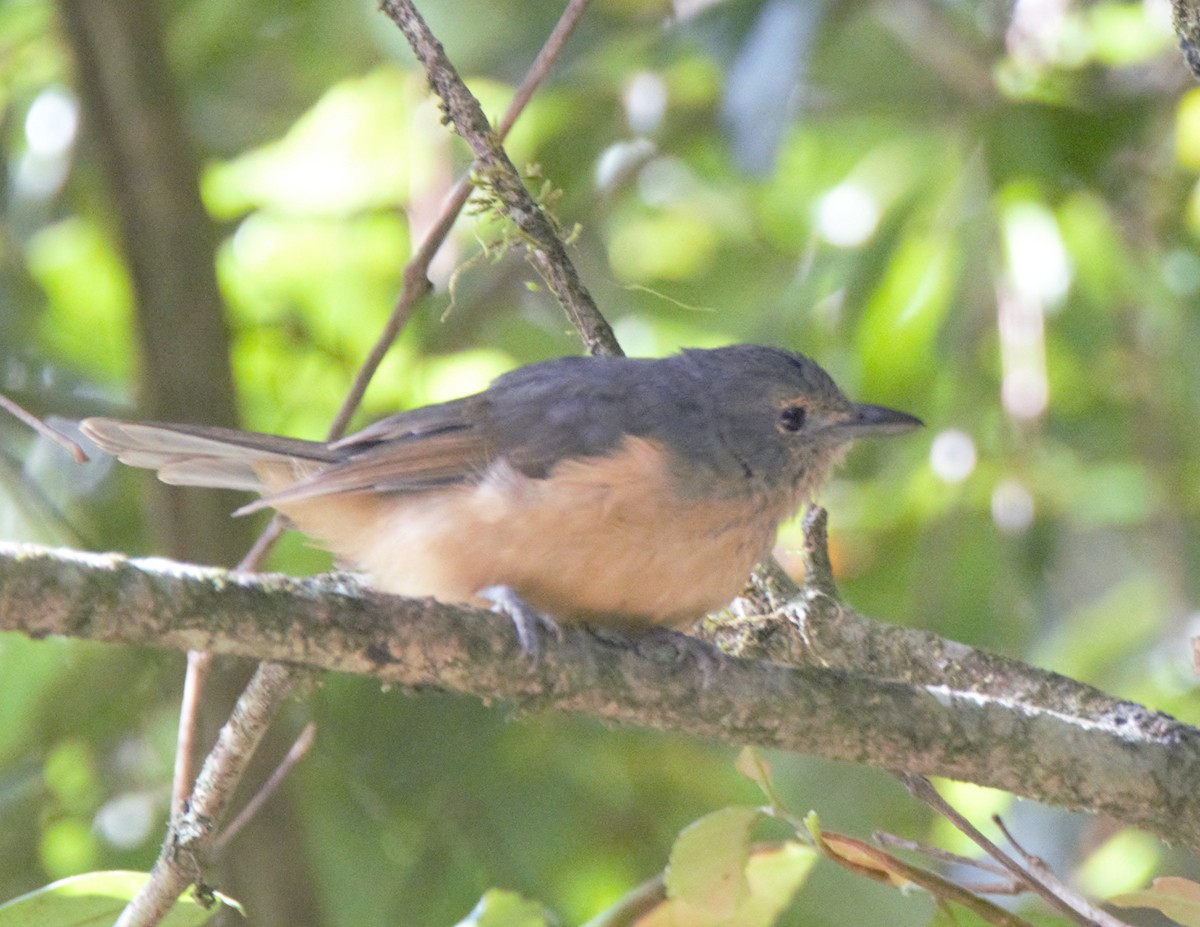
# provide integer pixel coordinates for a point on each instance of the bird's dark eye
(791, 418)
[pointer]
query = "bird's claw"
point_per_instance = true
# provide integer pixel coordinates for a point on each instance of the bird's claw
(527, 620)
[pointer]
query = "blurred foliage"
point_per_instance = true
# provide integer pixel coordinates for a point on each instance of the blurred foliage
(986, 214)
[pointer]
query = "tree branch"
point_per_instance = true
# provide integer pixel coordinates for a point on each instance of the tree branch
(1038, 735)
(1185, 15)
(181, 860)
(496, 169)
(416, 272)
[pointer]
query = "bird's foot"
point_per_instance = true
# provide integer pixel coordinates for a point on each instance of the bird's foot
(527, 620)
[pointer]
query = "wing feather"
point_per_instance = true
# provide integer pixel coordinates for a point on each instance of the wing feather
(400, 465)
(438, 445)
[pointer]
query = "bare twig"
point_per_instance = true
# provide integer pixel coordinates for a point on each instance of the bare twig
(299, 748)
(28, 418)
(416, 272)
(494, 167)
(818, 570)
(199, 664)
(884, 839)
(1038, 867)
(196, 676)
(190, 835)
(1060, 899)
(873, 863)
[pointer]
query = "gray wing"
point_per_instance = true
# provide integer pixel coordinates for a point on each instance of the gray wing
(532, 418)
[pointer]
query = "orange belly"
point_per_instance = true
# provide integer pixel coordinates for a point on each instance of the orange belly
(603, 540)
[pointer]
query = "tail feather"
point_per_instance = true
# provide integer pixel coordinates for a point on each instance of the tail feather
(190, 455)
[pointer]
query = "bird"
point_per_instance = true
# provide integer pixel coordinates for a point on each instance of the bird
(621, 493)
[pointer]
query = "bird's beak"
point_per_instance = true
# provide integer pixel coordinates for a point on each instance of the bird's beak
(865, 419)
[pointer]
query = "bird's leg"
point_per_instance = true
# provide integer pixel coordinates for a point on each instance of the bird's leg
(527, 620)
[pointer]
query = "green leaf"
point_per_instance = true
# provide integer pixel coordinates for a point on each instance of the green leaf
(1178, 899)
(772, 877)
(751, 765)
(94, 898)
(708, 862)
(498, 908)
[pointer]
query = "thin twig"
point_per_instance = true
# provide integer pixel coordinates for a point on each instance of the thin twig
(416, 273)
(884, 839)
(272, 533)
(196, 676)
(299, 748)
(923, 789)
(1009, 887)
(542, 64)
(1038, 866)
(818, 570)
(199, 664)
(17, 412)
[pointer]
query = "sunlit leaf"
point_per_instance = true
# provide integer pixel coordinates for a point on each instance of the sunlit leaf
(666, 246)
(350, 152)
(1126, 34)
(773, 876)
(499, 908)
(751, 765)
(708, 861)
(87, 317)
(896, 334)
(94, 899)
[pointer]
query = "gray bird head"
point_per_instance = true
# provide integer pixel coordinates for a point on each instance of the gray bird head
(781, 418)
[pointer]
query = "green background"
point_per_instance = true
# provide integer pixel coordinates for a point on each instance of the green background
(986, 217)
